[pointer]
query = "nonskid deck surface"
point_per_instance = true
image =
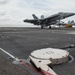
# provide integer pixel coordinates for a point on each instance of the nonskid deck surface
(20, 42)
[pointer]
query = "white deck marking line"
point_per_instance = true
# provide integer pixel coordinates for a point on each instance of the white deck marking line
(72, 32)
(21, 62)
(9, 54)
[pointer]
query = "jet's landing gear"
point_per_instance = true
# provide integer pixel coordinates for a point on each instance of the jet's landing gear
(41, 27)
(49, 27)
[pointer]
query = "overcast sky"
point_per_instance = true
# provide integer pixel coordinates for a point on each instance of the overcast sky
(15, 11)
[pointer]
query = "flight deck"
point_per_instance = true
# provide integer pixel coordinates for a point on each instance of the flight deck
(20, 42)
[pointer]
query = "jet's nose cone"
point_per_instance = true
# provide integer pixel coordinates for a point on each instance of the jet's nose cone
(72, 13)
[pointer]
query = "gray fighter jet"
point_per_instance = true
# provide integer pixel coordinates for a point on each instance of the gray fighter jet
(51, 20)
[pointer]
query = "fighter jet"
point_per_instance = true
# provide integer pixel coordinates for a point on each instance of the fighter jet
(48, 21)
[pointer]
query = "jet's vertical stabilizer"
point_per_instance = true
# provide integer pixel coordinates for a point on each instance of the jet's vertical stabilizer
(35, 17)
(42, 16)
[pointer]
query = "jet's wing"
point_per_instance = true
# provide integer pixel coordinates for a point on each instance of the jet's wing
(50, 19)
(56, 17)
(43, 21)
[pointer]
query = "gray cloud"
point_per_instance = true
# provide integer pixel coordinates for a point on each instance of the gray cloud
(22, 9)
(3, 1)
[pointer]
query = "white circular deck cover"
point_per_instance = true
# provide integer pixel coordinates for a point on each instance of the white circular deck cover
(48, 53)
